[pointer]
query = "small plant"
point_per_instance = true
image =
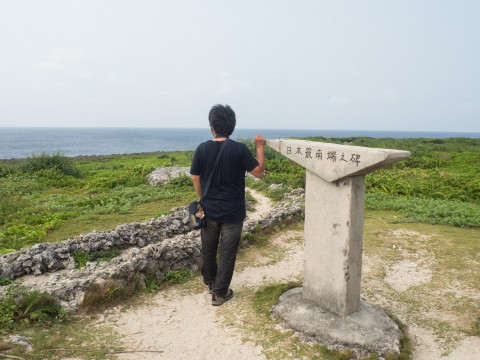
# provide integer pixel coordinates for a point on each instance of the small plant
(405, 345)
(40, 307)
(476, 327)
(22, 307)
(182, 181)
(247, 237)
(104, 255)
(177, 277)
(4, 281)
(82, 257)
(151, 283)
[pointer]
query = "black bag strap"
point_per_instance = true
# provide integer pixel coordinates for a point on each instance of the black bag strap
(213, 170)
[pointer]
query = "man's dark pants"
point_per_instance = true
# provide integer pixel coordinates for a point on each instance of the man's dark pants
(227, 236)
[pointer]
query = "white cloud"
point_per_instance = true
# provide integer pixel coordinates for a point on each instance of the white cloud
(229, 84)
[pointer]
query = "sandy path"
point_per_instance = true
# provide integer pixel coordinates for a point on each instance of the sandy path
(175, 325)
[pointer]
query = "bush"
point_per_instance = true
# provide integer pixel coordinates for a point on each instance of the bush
(7, 169)
(177, 277)
(22, 307)
(46, 161)
(108, 293)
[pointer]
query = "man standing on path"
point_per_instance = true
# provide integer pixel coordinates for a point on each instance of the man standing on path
(224, 202)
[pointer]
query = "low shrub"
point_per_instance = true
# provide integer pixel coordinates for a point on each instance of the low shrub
(46, 161)
(177, 277)
(110, 292)
(22, 307)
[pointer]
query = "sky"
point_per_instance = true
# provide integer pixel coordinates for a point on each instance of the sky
(312, 64)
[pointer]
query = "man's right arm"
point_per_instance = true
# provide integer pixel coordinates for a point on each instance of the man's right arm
(197, 184)
(259, 142)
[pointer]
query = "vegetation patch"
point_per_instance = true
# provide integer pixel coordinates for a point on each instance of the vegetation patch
(82, 257)
(74, 338)
(476, 327)
(430, 211)
(24, 308)
(52, 197)
(446, 304)
(4, 281)
(252, 315)
(108, 293)
(438, 184)
(180, 276)
(46, 195)
(49, 164)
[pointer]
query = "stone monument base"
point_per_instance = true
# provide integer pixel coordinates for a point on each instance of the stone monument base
(369, 330)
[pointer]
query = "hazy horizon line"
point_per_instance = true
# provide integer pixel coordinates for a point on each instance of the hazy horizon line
(239, 128)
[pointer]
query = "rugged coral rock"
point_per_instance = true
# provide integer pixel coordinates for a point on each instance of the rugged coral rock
(154, 247)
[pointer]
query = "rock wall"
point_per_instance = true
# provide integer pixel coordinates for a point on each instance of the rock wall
(48, 257)
(154, 247)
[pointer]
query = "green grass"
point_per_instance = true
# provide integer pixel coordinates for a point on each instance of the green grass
(430, 211)
(386, 242)
(75, 338)
(439, 183)
(177, 276)
(44, 201)
(52, 198)
(449, 253)
(21, 308)
(82, 257)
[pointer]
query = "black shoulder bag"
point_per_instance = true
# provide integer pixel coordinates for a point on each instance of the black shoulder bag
(195, 209)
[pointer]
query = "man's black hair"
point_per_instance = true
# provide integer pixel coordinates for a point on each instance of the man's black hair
(222, 119)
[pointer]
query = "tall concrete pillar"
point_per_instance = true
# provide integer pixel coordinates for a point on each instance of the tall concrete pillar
(333, 242)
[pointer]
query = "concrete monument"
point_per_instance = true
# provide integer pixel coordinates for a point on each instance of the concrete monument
(334, 208)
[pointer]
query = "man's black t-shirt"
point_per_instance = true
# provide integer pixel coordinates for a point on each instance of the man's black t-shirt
(225, 200)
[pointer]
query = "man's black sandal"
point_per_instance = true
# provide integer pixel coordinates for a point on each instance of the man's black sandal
(218, 300)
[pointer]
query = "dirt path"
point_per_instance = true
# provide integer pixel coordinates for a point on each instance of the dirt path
(182, 324)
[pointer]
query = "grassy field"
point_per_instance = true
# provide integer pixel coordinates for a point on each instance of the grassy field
(50, 197)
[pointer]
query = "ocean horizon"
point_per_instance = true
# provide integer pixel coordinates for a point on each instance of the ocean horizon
(21, 142)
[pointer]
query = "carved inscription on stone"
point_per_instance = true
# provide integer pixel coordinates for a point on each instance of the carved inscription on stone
(333, 162)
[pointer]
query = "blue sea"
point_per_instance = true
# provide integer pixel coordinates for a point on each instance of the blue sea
(25, 142)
